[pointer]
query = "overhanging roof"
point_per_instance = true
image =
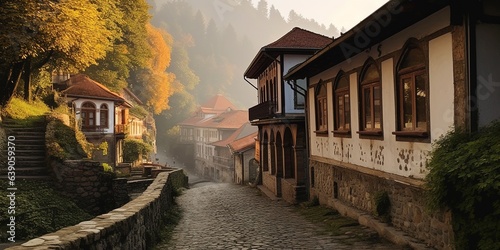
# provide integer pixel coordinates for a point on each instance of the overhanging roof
(388, 20)
(296, 41)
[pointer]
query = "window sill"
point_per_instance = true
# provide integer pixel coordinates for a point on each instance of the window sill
(417, 134)
(321, 133)
(370, 132)
(341, 133)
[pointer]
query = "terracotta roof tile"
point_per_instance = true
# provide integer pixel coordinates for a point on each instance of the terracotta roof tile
(297, 40)
(243, 131)
(229, 120)
(300, 38)
(83, 86)
(246, 142)
(218, 103)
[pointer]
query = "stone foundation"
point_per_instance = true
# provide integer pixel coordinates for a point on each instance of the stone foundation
(136, 225)
(269, 181)
(407, 210)
(292, 193)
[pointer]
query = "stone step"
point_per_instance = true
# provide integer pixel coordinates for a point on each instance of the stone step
(27, 171)
(28, 177)
(29, 163)
(35, 152)
(27, 135)
(28, 141)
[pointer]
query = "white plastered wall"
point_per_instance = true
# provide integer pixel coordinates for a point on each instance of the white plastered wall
(389, 155)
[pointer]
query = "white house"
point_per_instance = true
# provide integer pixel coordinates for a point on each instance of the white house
(101, 114)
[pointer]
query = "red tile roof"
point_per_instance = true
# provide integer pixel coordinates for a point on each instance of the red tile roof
(244, 143)
(218, 103)
(243, 131)
(213, 107)
(82, 86)
(300, 38)
(228, 120)
(297, 41)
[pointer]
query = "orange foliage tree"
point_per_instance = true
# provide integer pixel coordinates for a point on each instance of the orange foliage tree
(154, 84)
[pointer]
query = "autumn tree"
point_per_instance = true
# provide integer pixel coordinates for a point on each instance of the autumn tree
(68, 34)
(152, 83)
(130, 50)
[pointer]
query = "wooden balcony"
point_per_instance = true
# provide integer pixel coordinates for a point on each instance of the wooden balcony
(262, 110)
(121, 130)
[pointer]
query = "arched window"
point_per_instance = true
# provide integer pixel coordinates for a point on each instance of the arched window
(87, 114)
(342, 105)
(412, 93)
(371, 100)
(321, 109)
(104, 115)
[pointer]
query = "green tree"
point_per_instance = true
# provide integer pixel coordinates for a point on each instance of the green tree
(68, 34)
(130, 49)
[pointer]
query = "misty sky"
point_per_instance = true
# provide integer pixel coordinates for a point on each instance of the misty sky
(340, 13)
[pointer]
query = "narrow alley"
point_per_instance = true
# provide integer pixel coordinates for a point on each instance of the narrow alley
(228, 216)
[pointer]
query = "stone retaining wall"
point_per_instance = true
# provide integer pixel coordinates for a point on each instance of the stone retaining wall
(407, 211)
(136, 225)
(86, 183)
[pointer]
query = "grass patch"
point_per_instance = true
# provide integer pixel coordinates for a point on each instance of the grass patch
(169, 220)
(333, 223)
(66, 143)
(21, 109)
(35, 201)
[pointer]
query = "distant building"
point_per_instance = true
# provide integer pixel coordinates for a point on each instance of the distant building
(214, 121)
(242, 148)
(280, 113)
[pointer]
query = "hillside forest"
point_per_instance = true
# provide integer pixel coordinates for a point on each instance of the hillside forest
(172, 54)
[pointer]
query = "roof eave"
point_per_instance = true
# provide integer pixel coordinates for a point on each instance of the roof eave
(327, 57)
(261, 61)
(95, 98)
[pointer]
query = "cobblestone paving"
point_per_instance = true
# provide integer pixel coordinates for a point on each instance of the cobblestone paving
(228, 216)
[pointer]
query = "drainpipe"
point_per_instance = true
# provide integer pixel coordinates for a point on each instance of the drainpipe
(245, 78)
(471, 70)
(306, 127)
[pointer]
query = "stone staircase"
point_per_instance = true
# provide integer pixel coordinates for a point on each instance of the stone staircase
(29, 144)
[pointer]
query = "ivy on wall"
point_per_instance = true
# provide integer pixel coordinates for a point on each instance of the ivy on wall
(134, 149)
(465, 178)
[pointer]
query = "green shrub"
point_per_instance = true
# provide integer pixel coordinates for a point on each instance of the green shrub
(465, 178)
(107, 167)
(66, 143)
(35, 202)
(134, 149)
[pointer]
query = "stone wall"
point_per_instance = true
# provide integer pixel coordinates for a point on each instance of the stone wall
(136, 225)
(407, 211)
(86, 183)
(291, 192)
(269, 181)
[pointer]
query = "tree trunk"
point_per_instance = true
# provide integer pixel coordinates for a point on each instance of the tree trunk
(27, 80)
(9, 78)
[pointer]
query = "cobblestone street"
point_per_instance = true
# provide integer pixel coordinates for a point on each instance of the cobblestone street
(228, 216)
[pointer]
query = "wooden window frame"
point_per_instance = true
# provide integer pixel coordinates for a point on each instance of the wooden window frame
(321, 109)
(371, 85)
(85, 118)
(340, 115)
(416, 133)
(106, 114)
